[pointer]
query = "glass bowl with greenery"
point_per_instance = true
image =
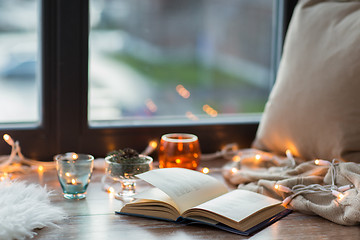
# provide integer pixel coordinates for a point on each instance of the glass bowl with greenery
(123, 165)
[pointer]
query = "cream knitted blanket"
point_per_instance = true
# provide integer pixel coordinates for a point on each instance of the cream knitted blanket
(330, 190)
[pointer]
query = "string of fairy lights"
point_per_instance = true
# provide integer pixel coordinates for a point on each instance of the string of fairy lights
(300, 189)
(17, 162)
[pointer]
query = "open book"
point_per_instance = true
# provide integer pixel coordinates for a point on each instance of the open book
(188, 196)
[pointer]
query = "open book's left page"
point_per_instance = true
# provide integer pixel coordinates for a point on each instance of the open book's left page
(187, 188)
(152, 203)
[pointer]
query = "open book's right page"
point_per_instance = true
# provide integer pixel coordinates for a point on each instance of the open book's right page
(187, 188)
(238, 204)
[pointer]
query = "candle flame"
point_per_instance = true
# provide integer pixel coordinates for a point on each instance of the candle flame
(317, 161)
(73, 181)
(277, 186)
(234, 170)
(257, 156)
(67, 174)
(178, 160)
(75, 156)
(40, 168)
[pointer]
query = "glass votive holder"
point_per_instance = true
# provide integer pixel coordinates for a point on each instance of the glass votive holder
(179, 150)
(74, 173)
(125, 171)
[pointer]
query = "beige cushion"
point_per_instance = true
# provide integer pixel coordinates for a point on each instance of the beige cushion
(314, 106)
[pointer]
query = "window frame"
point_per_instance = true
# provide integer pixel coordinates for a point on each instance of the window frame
(64, 71)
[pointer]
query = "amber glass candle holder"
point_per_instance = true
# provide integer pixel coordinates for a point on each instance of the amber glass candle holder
(179, 150)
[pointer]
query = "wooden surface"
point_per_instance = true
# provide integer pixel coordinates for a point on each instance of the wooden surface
(94, 218)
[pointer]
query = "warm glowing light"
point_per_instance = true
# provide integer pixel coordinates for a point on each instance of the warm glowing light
(73, 181)
(180, 146)
(153, 144)
(320, 162)
(40, 168)
(111, 190)
(205, 170)
(3, 176)
(210, 111)
(178, 160)
(75, 156)
(8, 139)
(257, 156)
(282, 188)
(67, 174)
(182, 91)
(234, 170)
(337, 194)
(191, 116)
(151, 105)
(340, 196)
(289, 154)
(236, 158)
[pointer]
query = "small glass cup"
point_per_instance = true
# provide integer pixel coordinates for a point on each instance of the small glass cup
(179, 150)
(74, 173)
(124, 172)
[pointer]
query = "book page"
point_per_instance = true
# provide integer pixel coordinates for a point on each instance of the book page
(157, 195)
(238, 204)
(187, 188)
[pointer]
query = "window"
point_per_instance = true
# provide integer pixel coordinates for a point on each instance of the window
(19, 81)
(210, 58)
(64, 71)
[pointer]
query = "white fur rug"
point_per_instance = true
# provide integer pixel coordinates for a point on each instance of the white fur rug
(25, 207)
